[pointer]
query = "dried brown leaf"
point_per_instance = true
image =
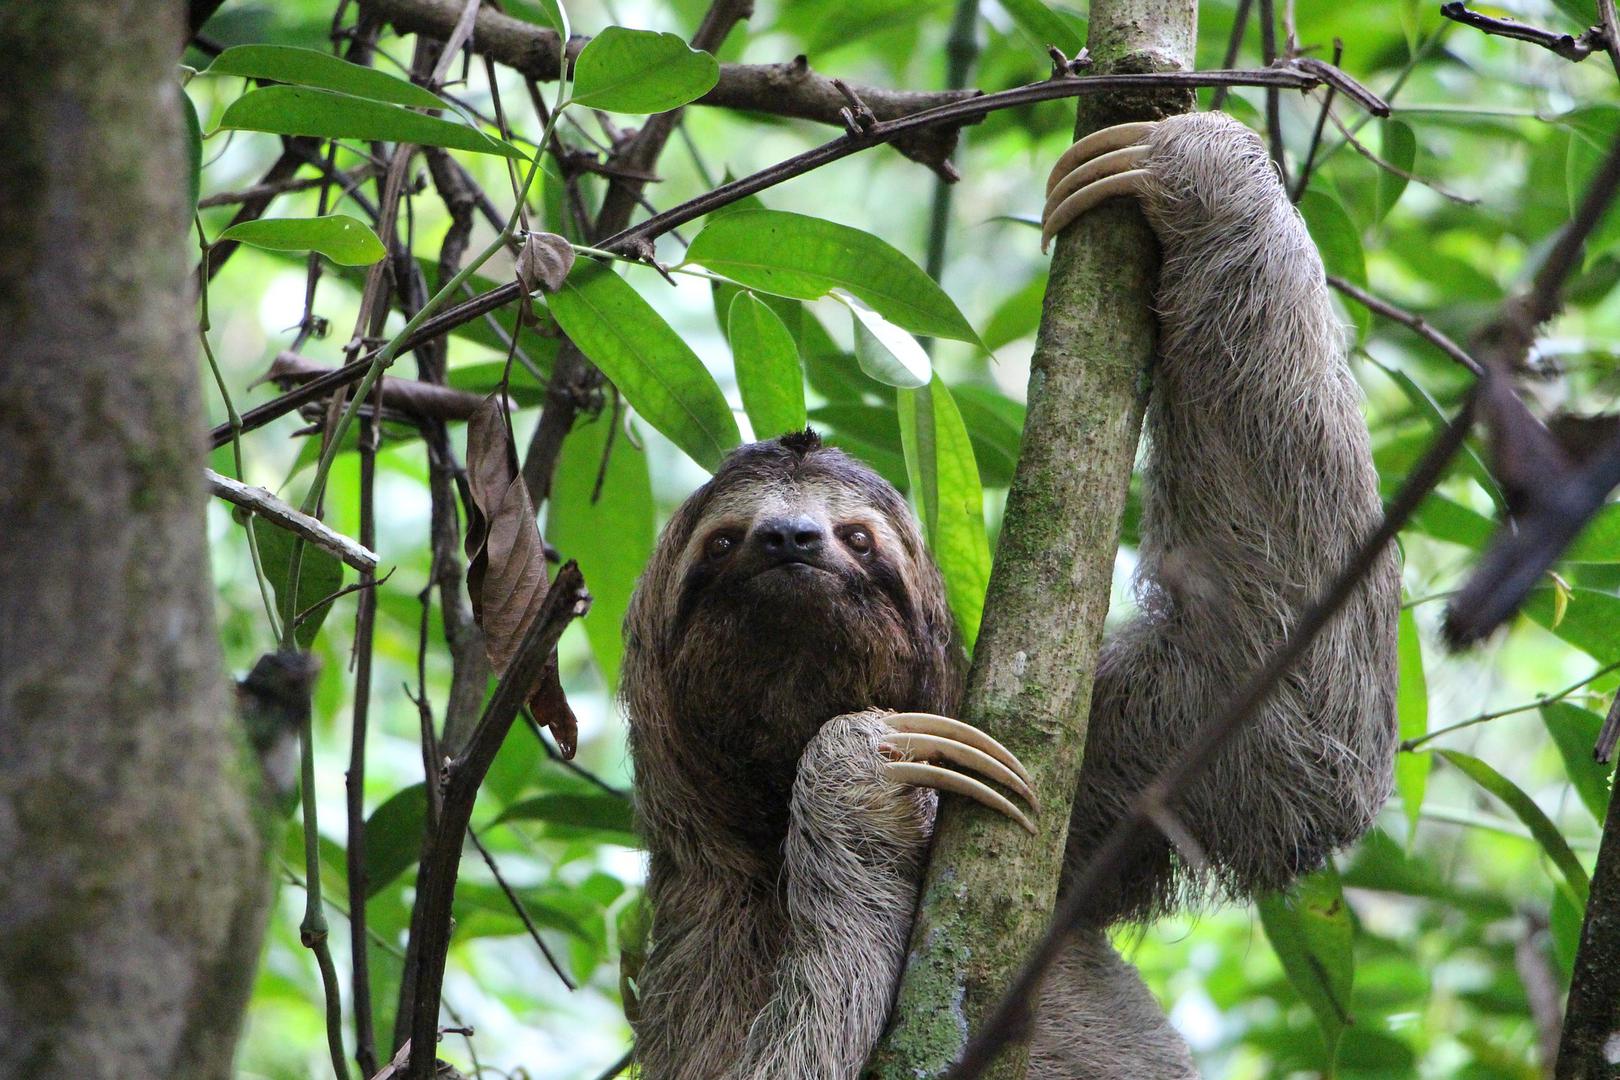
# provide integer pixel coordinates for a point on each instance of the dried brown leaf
(544, 262)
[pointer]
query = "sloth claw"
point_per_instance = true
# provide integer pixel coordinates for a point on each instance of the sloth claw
(918, 738)
(1100, 166)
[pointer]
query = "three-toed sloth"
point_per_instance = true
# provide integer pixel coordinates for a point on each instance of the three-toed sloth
(789, 653)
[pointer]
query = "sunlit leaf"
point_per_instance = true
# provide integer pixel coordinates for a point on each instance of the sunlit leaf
(604, 518)
(298, 110)
(1310, 929)
(1412, 709)
(884, 351)
(341, 238)
(641, 71)
(766, 359)
(1574, 731)
(806, 257)
(950, 502)
(657, 372)
(1525, 809)
(1590, 621)
(310, 67)
(1599, 542)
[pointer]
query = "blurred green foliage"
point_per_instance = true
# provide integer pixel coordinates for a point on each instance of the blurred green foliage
(1420, 953)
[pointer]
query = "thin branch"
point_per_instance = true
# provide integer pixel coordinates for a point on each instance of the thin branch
(1361, 148)
(961, 52)
(438, 870)
(1012, 1015)
(354, 780)
(1485, 717)
(1304, 180)
(261, 502)
(1416, 323)
(285, 187)
(1268, 54)
(522, 912)
(1569, 47)
(1295, 77)
(1240, 26)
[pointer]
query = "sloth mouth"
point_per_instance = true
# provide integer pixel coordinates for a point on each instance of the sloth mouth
(793, 567)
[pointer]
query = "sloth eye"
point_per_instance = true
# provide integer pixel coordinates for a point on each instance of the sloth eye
(719, 545)
(858, 539)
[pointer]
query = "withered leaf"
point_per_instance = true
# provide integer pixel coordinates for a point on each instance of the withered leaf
(506, 562)
(544, 262)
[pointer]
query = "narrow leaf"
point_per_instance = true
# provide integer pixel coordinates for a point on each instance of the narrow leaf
(310, 67)
(320, 575)
(805, 258)
(339, 237)
(1339, 242)
(1309, 927)
(1412, 708)
(596, 813)
(394, 837)
(1043, 25)
(641, 71)
(1589, 620)
(1541, 827)
(657, 372)
(884, 351)
(297, 110)
(945, 486)
(604, 519)
(767, 363)
(1400, 150)
(193, 152)
(1574, 731)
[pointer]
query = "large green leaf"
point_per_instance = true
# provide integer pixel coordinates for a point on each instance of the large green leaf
(311, 67)
(1524, 807)
(339, 237)
(1412, 709)
(1590, 620)
(1574, 731)
(604, 518)
(394, 837)
(319, 576)
(885, 351)
(606, 816)
(1599, 542)
(1339, 242)
(806, 257)
(1400, 150)
(657, 372)
(767, 362)
(1046, 26)
(298, 110)
(950, 501)
(1309, 927)
(641, 71)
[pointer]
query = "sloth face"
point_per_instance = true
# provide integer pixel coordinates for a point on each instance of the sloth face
(792, 587)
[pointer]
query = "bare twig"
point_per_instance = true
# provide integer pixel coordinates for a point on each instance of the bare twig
(522, 912)
(1513, 710)
(437, 873)
(1240, 26)
(261, 502)
(1136, 827)
(1361, 148)
(1416, 323)
(1304, 180)
(1268, 53)
(1569, 47)
(354, 781)
(285, 187)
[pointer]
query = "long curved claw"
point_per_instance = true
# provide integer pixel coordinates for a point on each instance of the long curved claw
(939, 738)
(1100, 166)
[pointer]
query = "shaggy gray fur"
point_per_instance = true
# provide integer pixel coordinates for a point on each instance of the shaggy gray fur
(784, 866)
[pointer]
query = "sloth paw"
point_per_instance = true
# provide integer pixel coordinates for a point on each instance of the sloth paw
(915, 742)
(1103, 165)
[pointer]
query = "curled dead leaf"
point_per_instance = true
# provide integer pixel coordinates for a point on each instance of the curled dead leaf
(544, 262)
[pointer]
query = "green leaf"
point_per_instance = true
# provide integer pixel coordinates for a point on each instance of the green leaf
(1541, 827)
(1043, 25)
(767, 362)
(394, 837)
(341, 238)
(641, 71)
(658, 374)
(310, 67)
(297, 110)
(610, 532)
(193, 151)
(1309, 928)
(1590, 621)
(319, 576)
(1599, 542)
(1019, 315)
(1412, 708)
(592, 813)
(1574, 731)
(884, 351)
(1437, 419)
(806, 257)
(1400, 150)
(950, 501)
(1339, 242)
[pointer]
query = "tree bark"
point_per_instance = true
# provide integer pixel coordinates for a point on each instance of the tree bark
(1590, 1046)
(990, 888)
(133, 883)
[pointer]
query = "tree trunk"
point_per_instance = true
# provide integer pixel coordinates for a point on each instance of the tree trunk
(133, 884)
(990, 889)
(1590, 1047)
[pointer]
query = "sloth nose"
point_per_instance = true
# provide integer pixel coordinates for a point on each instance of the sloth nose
(789, 538)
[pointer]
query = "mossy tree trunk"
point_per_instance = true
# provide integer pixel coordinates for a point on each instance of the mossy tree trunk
(133, 884)
(990, 888)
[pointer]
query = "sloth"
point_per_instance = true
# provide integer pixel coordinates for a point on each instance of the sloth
(791, 669)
